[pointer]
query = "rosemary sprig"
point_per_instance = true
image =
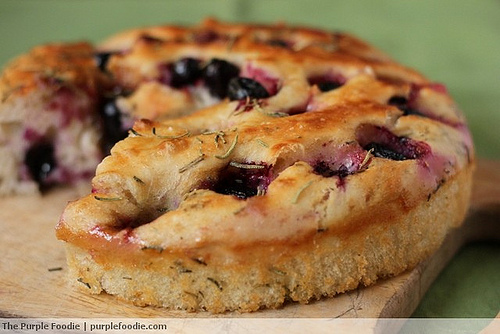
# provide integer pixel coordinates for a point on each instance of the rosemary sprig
(183, 270)
(135, 133)
(84, 283)
(219, 135)
(207, 133)
(138, 180)
(261, 142)
(217, 284)
(237, 211)
(192, 163)
(199, 260)
(277, 271)
(159, 249)
(107, 199)
(245, 166)
(247, 105)
(187, 133)
(297, 195)
(191, 294)
(366, 159)
(230, 150)
(276, 114)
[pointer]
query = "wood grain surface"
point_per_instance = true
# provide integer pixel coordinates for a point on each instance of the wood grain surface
(33, 266)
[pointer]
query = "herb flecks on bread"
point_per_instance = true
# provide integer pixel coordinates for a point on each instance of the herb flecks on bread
(265, 164)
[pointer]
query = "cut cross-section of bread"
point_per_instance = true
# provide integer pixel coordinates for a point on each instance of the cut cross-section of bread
(266, 164)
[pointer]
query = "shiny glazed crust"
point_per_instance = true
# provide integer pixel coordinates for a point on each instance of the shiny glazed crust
(246, 203)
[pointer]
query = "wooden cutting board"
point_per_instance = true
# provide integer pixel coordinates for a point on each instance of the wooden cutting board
(33, 267)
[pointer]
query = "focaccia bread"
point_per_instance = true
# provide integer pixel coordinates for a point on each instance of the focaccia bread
(292, 164)
(64, 105)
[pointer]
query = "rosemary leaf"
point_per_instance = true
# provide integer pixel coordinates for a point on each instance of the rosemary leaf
(84, 283)
(159, 249)
(220, 135)
(199, 261)
(135, 133)
(138, 180)
(191, 294)
(297, 195)
(230, 150)
(207, 133)
(245, 166)
(217, 284)
(366, 159)
(277, 271)
(187, 133)
(162, 210)
(183, 270)
(261, 142)
(192, 163)
(237, 211)
(277, 114)
(107, 199)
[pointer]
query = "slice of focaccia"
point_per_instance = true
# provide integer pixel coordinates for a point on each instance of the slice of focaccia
(287, 164)
(47, 133)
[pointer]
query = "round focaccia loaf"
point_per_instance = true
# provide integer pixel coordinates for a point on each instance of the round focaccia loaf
(63, 106)
(316, 165)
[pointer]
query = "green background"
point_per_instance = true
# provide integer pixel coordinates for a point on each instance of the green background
(455, 42)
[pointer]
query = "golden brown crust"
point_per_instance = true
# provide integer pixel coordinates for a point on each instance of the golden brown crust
(269, 274)
(248, 202)
(63, 62)
(40, 90)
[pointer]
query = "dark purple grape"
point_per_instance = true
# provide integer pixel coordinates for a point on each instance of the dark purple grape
(327, 86)
(241, 88)
(402, 104)
(217, 75)
(101, 59)
(236, 188)
(327, 82)
(385, 144)
(243, 182)
(326, 169)
(40, 161)
(112, 124)
(383, 151)
(185, 72)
